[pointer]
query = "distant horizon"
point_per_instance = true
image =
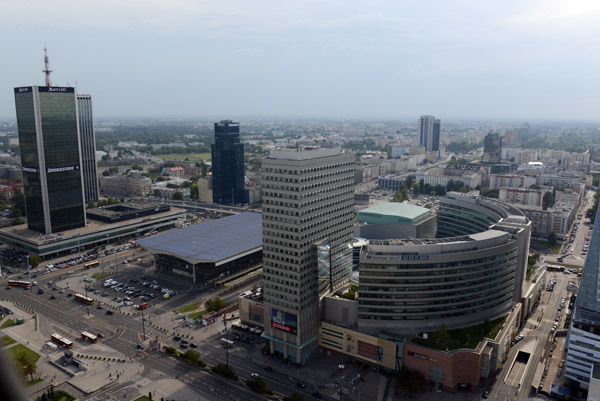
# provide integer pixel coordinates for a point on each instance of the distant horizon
(282, 118)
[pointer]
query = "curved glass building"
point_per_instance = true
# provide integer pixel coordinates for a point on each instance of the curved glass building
(473, 273)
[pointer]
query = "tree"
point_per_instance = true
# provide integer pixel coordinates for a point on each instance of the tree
(441, 333)
(410, 381)
(552, 238)
(178, 196)
(26, 366)
(548, 200)
(410, 179)
(34, 260)
(214, 304)
(156, 193)
(19, 202)
(192, 356)
(295, 396)
(91, 204)
(259, 385)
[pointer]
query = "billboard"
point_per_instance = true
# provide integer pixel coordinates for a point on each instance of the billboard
(284, 321)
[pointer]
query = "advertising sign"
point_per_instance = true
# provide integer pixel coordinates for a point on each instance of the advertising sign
(284, 321)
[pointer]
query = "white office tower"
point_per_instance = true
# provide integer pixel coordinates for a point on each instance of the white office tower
(308, 196)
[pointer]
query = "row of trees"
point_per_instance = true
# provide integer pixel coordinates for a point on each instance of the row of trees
(591, 213)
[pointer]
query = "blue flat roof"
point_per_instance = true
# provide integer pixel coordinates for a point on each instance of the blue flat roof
(212, 241)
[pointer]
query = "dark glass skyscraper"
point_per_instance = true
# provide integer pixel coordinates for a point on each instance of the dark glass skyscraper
(50, 158)
(228, 165)
(88, 147)
(429, 133)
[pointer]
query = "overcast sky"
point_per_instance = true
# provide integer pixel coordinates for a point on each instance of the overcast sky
(331, 58)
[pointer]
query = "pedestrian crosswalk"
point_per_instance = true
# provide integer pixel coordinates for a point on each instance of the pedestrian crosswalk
(345, 390)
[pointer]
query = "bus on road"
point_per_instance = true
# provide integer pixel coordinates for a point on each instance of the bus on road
(226, 343)
(19, 283)
(89, 337)
(84, 299)
(63, 342)
(89, 265)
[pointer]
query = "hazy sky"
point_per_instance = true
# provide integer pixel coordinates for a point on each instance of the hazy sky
(332, 58)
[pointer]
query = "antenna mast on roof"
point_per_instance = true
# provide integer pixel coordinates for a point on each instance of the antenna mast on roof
(47, 71)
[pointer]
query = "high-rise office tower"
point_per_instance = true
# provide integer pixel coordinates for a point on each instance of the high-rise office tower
(87, 137)
(429, 133)
(50, 158)
(308, 196)
(228, 165)
(492, 148)
(583, 341)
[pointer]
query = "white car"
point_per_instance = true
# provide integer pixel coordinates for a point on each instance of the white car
(254, 375)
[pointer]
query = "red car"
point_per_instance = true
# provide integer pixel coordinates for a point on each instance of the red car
(100, 335)
(100, 307)
(8, 288)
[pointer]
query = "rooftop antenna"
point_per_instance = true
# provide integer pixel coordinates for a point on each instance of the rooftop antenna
(47, 71)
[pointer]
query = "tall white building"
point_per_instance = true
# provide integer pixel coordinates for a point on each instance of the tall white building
(205, 194)
(308, 196)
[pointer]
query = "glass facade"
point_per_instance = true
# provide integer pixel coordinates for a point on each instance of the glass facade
(228, 165)
(88, 147)
(32, 185)
(455, 220)
(324, 268)
(422, 291)
(52, 184)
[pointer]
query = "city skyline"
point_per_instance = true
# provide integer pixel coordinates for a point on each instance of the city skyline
(314, 60)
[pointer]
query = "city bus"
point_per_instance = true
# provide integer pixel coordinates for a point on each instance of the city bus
(89, 265)
(84, 299)
(89, 337)
(19, 283)
(63, 342)
(226, 343)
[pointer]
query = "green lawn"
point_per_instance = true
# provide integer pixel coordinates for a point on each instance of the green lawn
(193, 157)
(539, 244)
(8, 323)
(197, 315)
(32, 356)
(100, 276)
(60, 395)
(142, 398)
(189, 307)
(32, 382)
(468, 337)
(6, 340)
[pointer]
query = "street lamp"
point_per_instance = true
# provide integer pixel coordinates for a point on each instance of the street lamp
(86, 295)
(29, 273)
(143, 325)
(341, 366)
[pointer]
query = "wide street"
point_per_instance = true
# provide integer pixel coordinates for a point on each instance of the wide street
(122, 332)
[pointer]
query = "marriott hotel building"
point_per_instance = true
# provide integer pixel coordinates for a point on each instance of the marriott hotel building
(50, 158)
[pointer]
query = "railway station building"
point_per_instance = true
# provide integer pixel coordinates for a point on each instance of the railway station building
(209, 251)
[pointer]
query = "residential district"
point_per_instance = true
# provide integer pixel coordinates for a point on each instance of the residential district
(296, 260)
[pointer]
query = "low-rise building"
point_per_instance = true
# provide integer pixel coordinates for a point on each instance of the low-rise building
(125, 185)
(390, 220)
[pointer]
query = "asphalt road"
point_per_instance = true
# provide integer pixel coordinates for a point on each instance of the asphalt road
(207, 385)
(505, 388)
